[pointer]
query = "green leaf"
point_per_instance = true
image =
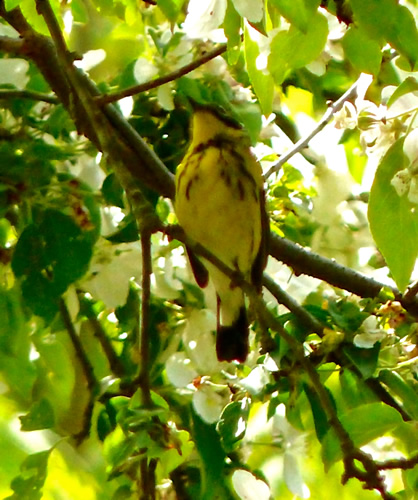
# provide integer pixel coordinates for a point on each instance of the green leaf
(318, 413)
(29, 255)
(294, 49)
(363, 52)
(252, 10)
(41, 295)
(171, 8)
(375, 16)
(79, 11)
(297, 12)
(112, 191)
(40, 416)
(52, 255)
(124, 492)
(232, 27)
(249, 115)
(410, 84)
(364, 359)
(353, 390)
(346, 315)
(404, 36)
(16, 368)
(363, 424)
(212, 454)
(232, 423)
(11, 4)
(386, 20)
(28, 485)
(67, 249)
(356, 160)
(393, 219)
(404, 391)
(261, 81)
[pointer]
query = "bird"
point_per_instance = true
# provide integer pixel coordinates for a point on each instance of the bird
(220, 204)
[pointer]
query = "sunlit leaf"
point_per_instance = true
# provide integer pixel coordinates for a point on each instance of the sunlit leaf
(40, 416)
(171, 8)
(363, 52)
(387, 20)
(363, 424)
(262, 82)
(297, 12)
(11, 4)
(232, 26)
(393, 219)
(410, 84)
(29, 484)
(250, 9)
(294, 49)
(404, 390)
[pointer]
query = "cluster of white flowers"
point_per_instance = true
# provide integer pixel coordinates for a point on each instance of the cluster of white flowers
(380, 129)
(406, 180)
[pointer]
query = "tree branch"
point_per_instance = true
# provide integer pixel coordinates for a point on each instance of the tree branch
(158, 82)
(28, 94)
(398, 463)
(11, 45)
(144, 378)
(304, 261)
(147, 468)
(309, 321)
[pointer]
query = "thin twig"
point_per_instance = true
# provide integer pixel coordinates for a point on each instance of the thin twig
(28, 94)
(293, 305)
(147, 472)
(144, 378)
(304, 141)
(398, 463)
(158, 82)
(411, 292)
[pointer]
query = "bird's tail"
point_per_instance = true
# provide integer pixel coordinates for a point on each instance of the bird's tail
(232, 340)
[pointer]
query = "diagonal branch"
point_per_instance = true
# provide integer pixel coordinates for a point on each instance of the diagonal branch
(28, 94)
(304, 141)
(158, 82)
(303, 261)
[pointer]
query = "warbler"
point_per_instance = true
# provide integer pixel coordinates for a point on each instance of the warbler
(220, 204)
